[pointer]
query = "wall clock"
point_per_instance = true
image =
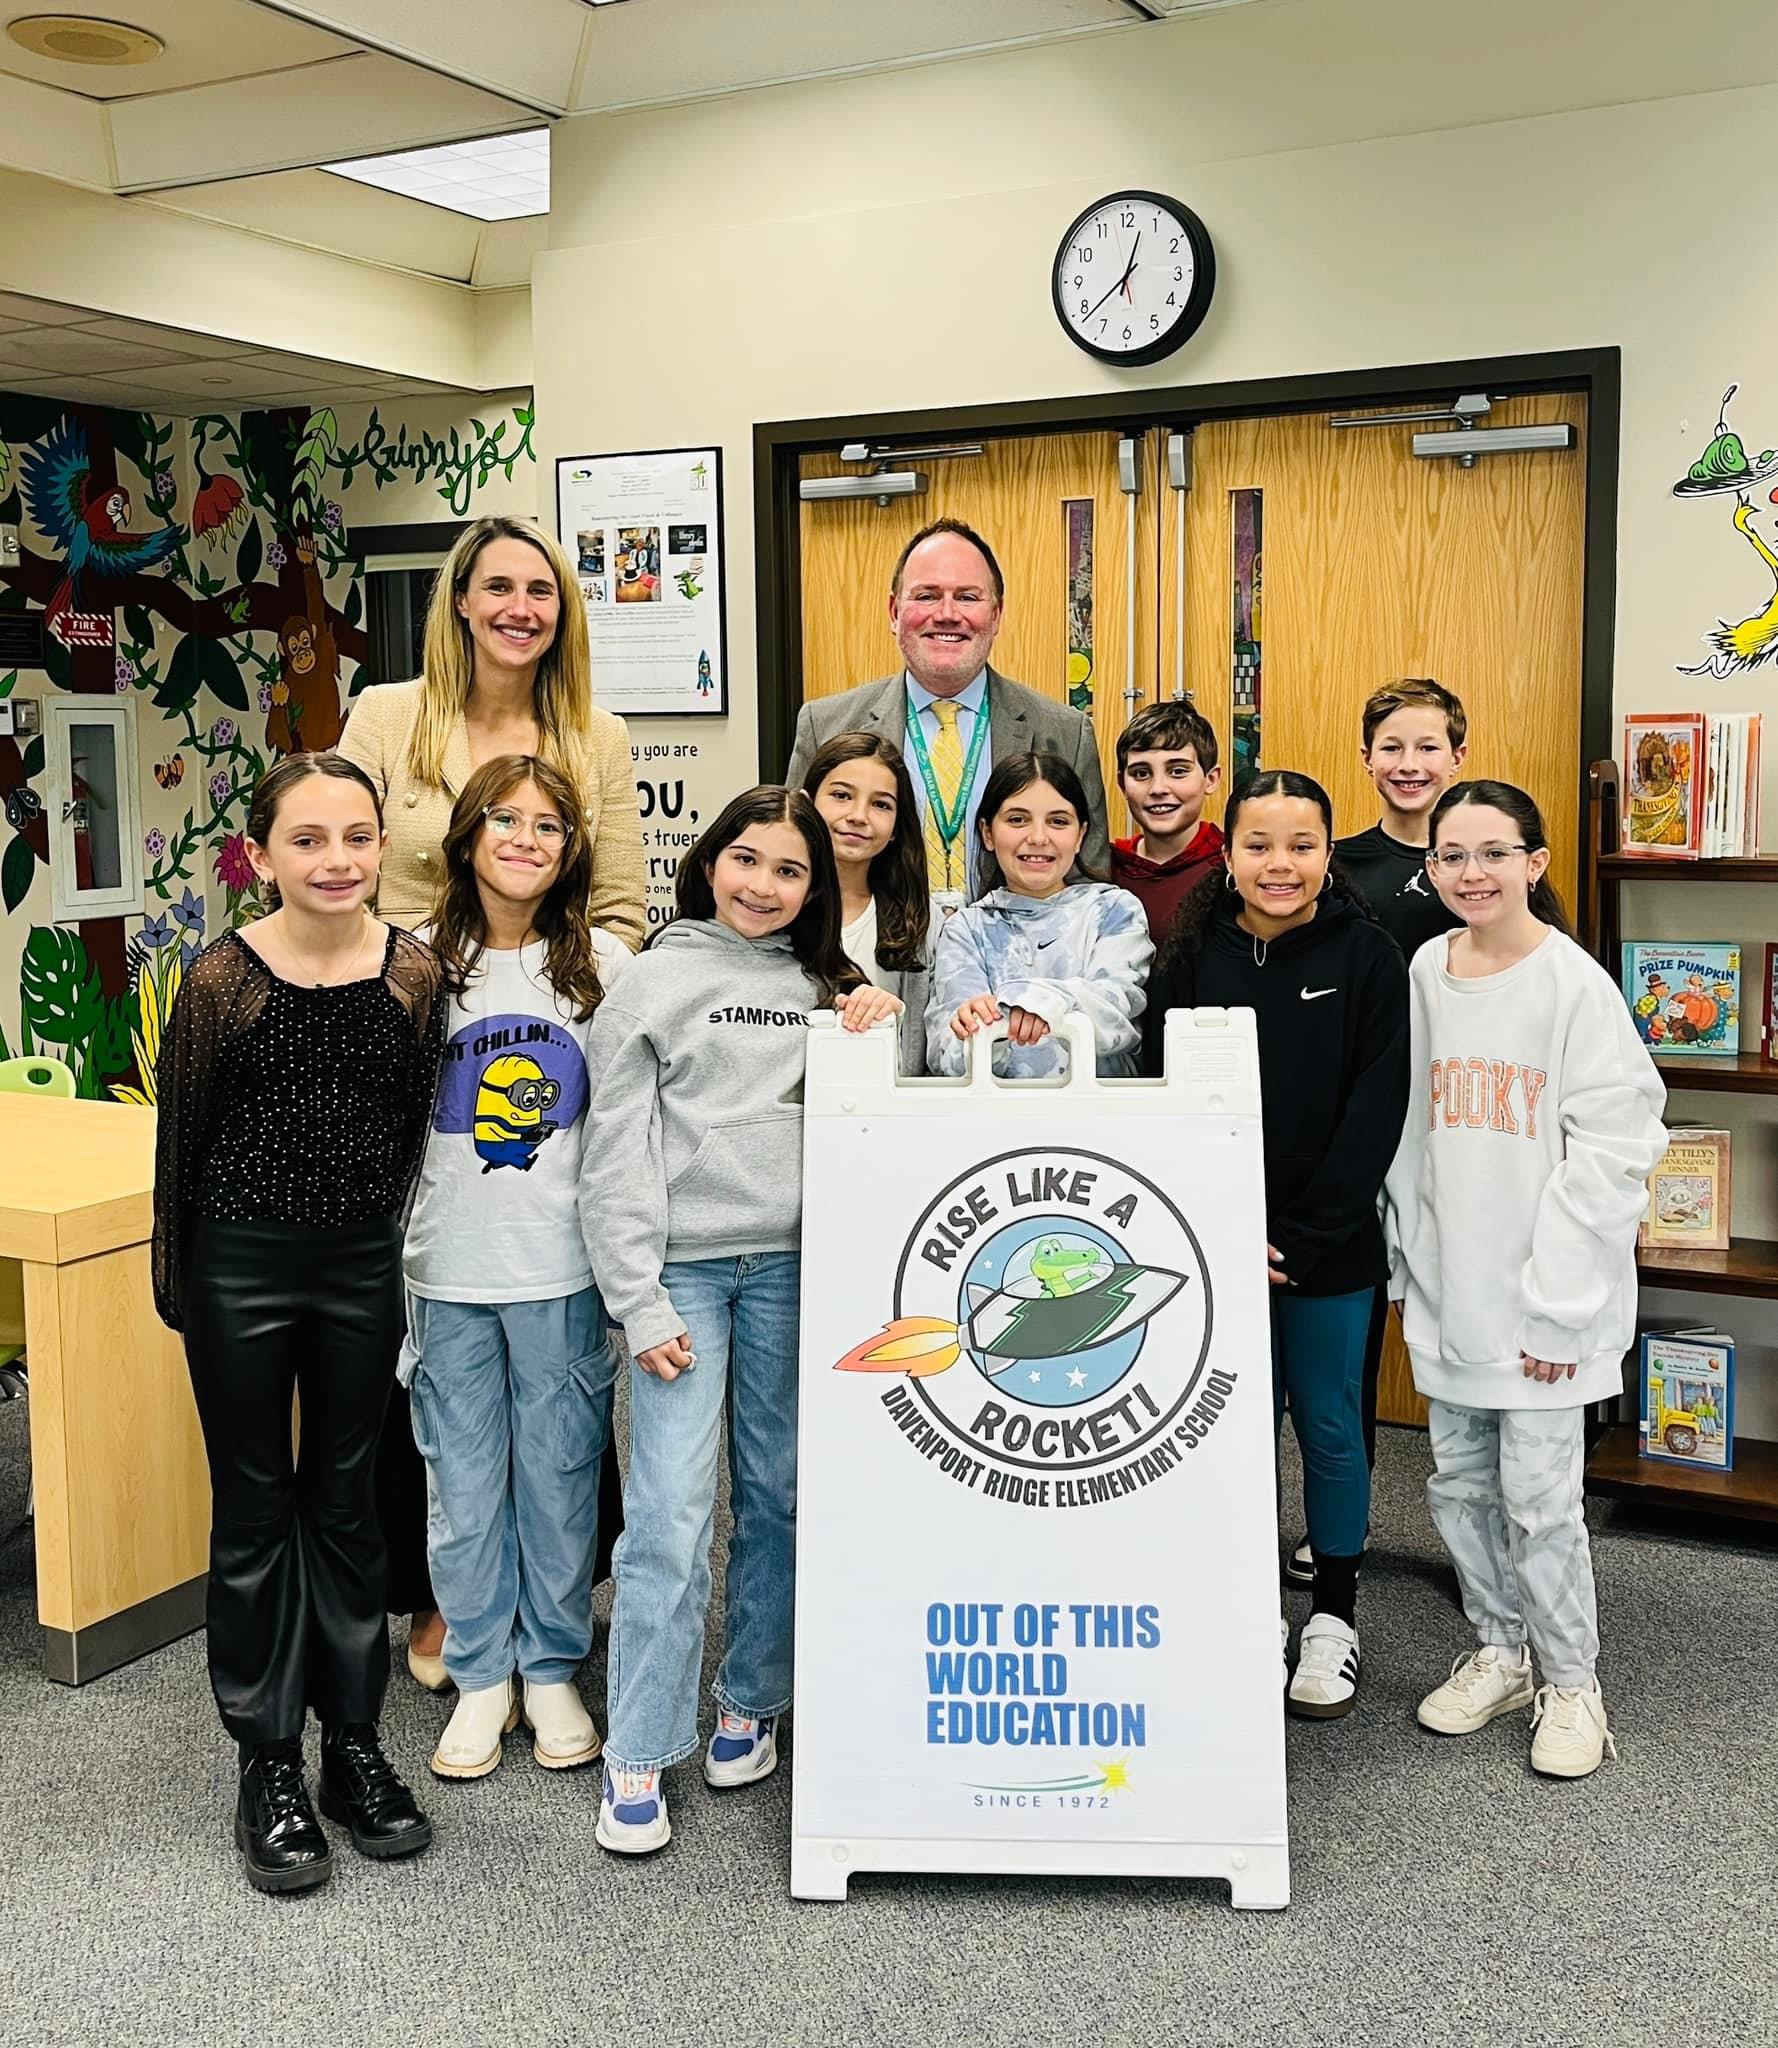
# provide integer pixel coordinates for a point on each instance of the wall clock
(1133, 277)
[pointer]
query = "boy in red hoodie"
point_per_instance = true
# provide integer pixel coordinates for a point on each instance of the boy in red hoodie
(1166, 767)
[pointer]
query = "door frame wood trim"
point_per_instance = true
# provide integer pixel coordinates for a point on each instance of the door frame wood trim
(778, 446)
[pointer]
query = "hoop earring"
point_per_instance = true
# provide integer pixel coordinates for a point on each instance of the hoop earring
(1228, 880)
(1326, 883)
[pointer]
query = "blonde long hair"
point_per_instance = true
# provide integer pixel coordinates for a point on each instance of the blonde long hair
(563, 689)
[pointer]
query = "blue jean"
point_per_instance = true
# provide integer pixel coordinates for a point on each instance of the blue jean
(512, 1408)
(1318, 1353)
(741, 1316)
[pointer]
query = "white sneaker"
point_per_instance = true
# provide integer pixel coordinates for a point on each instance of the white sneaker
(1569, 1736)
(743, 1749)
(1487, 1683)
(632, 1813)
(470, 1746)
(564, 1731)
(1326, 1680)
(1299, 1566)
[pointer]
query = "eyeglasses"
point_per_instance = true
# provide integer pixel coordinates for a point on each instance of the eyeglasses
(547, 830)
(1453, 860)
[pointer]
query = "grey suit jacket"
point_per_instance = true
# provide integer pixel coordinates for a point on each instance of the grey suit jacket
(1018, 719)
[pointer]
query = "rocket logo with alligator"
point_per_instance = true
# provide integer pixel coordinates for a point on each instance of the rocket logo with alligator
(1052, 1311)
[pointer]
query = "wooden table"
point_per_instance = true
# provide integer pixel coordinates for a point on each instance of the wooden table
(123, 1493)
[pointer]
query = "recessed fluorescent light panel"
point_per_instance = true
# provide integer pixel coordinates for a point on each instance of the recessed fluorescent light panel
(501, 177)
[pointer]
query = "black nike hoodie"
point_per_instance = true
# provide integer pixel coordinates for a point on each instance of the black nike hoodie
(1331, 999)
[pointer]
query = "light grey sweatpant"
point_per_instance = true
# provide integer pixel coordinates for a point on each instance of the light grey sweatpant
(1506, 1498)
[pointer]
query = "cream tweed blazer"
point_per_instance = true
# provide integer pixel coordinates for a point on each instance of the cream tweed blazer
(417, 817)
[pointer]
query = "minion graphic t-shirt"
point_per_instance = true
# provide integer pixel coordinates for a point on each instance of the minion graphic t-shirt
(495, 1216)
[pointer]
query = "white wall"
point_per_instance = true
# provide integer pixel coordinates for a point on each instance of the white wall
(1386, 183)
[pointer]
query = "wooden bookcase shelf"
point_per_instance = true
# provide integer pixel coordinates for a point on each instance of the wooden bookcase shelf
(1618, 1469)
(1749, 1267)
(1745, 1073)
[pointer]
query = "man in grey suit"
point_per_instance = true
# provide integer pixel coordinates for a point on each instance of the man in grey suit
(945, 603)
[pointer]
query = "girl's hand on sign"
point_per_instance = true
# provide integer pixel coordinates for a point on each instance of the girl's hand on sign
(972, 1015)
(1275, 1267)
(1025, 1027)
(862, 1007)
(667, 1361)
(1542, 1370)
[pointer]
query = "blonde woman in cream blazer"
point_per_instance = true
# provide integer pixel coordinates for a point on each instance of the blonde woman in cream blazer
(506, 671)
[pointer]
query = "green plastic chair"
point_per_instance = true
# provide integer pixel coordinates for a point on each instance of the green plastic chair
(33, 1075)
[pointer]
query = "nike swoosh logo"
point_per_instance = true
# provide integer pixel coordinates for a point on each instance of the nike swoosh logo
(1309, 994)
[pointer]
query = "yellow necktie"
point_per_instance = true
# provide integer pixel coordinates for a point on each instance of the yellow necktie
(945, 866)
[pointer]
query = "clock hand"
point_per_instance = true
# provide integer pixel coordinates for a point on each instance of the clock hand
(1117, 287)
(1130, 267)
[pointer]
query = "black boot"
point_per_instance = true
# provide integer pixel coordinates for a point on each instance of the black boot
(280, 1840)
(360, 1790)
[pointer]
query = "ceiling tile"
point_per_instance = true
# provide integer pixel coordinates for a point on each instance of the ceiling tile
(40, 312)
(174, 338)
(283, 372)
(213, 383)
(66, 348)
(205, 40)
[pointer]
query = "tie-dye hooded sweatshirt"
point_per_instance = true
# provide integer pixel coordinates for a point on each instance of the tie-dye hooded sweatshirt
(1086, 949)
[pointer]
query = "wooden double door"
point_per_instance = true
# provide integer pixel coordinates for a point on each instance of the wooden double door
(1371, 564)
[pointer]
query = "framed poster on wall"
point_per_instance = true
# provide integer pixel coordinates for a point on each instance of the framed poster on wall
(644, 532)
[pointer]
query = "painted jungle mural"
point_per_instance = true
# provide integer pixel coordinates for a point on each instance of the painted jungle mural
(207, 568)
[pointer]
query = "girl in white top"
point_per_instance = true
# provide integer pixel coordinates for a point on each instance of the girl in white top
(1534, 1123)
(508, 1360)
(859, 783)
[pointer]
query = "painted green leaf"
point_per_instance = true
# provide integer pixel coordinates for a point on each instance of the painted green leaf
(18, 868)
(138, 625)
(250, 554)
(6, 683)
(197, 664)
(354, 610)
(108, 1051)
(59, 994)
(129, 436)
(58, 664)
(33, 756)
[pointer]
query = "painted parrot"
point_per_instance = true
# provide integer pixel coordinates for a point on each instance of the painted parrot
(87, 524)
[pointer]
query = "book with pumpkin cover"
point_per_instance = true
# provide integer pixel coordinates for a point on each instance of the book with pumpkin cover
(1690, 1194)
(1665, 770)
(1686, 1000)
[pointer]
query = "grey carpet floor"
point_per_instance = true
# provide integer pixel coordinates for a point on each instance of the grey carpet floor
(1442, 1894)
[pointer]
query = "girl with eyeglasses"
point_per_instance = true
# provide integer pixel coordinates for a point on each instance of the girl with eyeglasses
(1534, 1124)
(508, 1361)
(1285, 935)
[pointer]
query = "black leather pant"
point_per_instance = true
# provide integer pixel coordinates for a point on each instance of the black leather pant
(296, 1602)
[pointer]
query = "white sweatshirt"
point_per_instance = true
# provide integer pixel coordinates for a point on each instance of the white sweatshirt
(1533, 1124)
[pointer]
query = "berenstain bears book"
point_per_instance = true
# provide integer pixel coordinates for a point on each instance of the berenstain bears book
(1688, 1398)
(1664, 783)
(1689, 1194)
(1686, 999)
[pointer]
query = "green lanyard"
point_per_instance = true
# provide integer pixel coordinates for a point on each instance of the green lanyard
(949, 824)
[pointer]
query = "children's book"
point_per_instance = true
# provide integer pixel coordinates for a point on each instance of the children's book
(1665, 772)
(1689, 1194)
(1686, 999)
(1768, 1023)
(1688, 1398)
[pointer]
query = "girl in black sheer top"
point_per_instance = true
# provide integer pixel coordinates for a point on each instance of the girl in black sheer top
(294, 1091)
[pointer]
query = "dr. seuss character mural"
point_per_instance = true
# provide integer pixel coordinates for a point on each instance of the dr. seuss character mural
(1726, 471)
(205, 568)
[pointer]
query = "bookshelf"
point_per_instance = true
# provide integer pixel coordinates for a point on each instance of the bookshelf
(1749, 1268)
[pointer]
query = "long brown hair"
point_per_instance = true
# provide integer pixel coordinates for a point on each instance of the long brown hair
(815, 930)
(897, 875)
(460, 926)
(562, 692)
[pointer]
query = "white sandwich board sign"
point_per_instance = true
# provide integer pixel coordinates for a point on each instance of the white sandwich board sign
(1037, 1595)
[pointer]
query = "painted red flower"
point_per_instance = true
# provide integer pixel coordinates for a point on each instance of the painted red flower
(233, 869)
(217, 507)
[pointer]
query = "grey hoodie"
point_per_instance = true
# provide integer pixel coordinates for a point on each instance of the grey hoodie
(694, 1143)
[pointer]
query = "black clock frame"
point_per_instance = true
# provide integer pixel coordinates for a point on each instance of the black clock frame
(1197, 302)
